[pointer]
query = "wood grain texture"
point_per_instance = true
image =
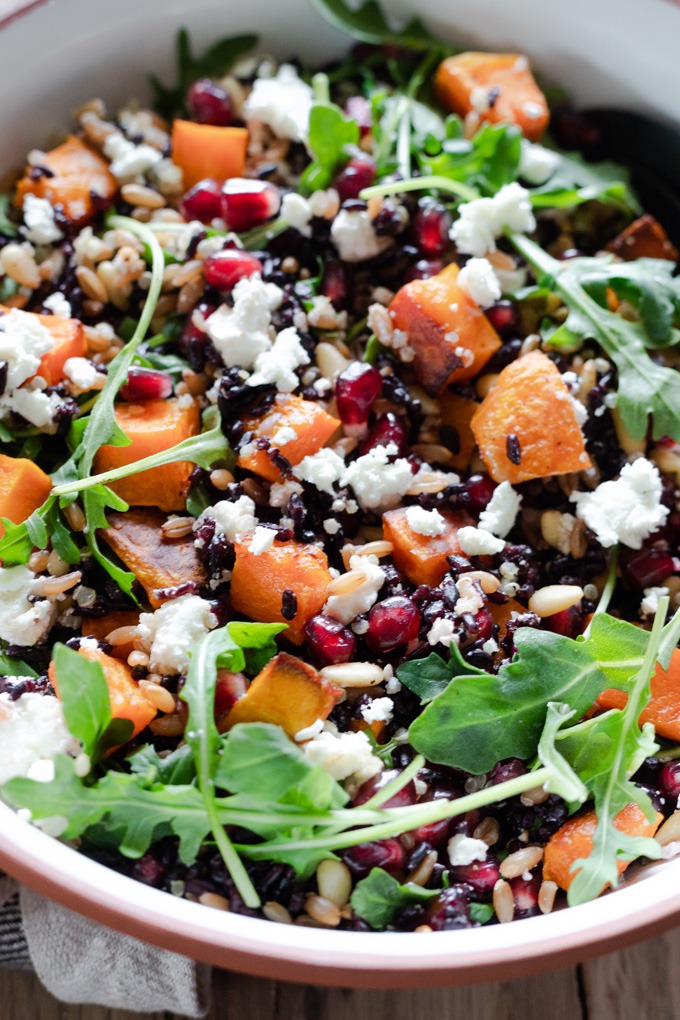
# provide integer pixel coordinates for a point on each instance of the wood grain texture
(642, 983)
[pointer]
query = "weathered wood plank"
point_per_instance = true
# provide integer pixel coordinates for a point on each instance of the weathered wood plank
(641, 983)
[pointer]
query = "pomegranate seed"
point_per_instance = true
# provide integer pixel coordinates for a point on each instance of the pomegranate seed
(568, 622)
(359, 109)
(648, 567)
(209, 103)
(575, 130)
(336, 284)
(525, 892)
(392, 623)
(382, 853)
(512, 768)
(503, 317)
(436, 833)
(406, 796)
(477, 492)
(432, 223)
(248, 203)
(225, 268)
(149, 870)
(669, 779)
(330, 642)
(357, 175)
(356, 389)
(387, 429)
(230, 687)
(146, 384)
(423, 269)
(484, 625)
(193, 332)
(449, 911)
(481, 875)
(202, 202)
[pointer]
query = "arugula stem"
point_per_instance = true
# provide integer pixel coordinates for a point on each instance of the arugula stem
(230, 857)
(608, 590)
(398, 783)
(321, 89)
(435, 183)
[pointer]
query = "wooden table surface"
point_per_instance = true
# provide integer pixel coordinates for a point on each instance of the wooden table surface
(642, 983)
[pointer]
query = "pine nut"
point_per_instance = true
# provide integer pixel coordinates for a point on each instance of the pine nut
(546, 896)
(334, 882)
(423, 873)
(322, 910)
(38, 560)
(522, 860)
(56, 566)
(121, 636)
(137, 194)
(487, 582)
(276, 912)
(353, 674)
(138, 658)
(330, 361)
(503, 901)
(670, 830)
(91, 284)
(177, 527)
(530, 798)
(556, 529)
(554, 598)
(422, 929)
(159, 697)
(221, 478)
(167, 726)
(211, 899)
(488, 830)
(346, 583)
(75, 516)
(428, 481)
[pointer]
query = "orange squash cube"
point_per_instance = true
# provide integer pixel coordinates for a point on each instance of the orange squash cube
(69, 342)
(77, 172)
(451, 336)
(312, 425)
(258, 583)
(504, 80)
(152, 426)
(208, 150)
(531, 403)
(422, 558)
(288, 693)
(458, 412)
(23, 488)
(663, 708)
(644, 239)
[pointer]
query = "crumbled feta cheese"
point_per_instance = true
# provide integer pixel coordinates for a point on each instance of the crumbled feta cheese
(379, 710)
(478, 542)
(283, 435)
(58, 305)
(309, 731)
(81, 372)
(345, 756)
(377, 482)
(22, 622)
(297, 212)
(33, 731)
(580, 412)
(465, 850)
(441, 633)
(490, 647)
(627, 510)
(128, 160)
(482, 220)
(322, 469)
(537, 164)
(280, 493)
(353, 603)
(392, 685)
(231, 519)
(353, 235)
(31, 403)
(479, 281)
(174, 630)
(331, 526)
(277, 366)
(323, 315)
(241, 333)
(650, 602)
(23, 341)
(283, 102)
(425, 522)
(500, 513)
(262, 540)
(38, 216)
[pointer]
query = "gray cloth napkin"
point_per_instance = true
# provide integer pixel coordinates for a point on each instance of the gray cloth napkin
(67, 952)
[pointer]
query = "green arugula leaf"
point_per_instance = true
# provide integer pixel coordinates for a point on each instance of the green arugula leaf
(378, 897)
(485, 162)
(176, 769)
(564, 781)
(7, 228)
(481, 912)
(9, 666)
(575, 181)
(367, 23)
(330, 135)
(431, 676)
(96, 501)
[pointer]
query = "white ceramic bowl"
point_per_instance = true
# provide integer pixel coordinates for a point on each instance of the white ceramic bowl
(56, 55)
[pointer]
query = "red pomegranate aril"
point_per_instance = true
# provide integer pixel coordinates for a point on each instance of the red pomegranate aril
(436, 833)
(503, 317)
(329, 640)
(478, 492)
(336, 284)
(202, 202)
(225, 268)
(511, 768)
(357, 175)
(669, 779)
(432, 223)
(568, 622)
(480, 875)
(356, 389)
(146, 384)
(404, 798)
(388, 429)
(423, 269)
(193, 332)
(392, 623)
(209, 103)
(149, 870)
(648, 568)
(230, 687)
(249, 203)
(449, 911)
(525, 892)
(382, 853)
(359, 109)
(483, 625)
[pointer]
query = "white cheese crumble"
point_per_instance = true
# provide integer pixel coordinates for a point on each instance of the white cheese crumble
(23, 341)
(283, 436)
(38, 216)
(22, 622)
(33, 731)
(283, 102)
(479, 281)
(379, 710)
(345, 756)
(241, 333)
(377, 483)
(262, 540)
(478, 542)
(297, 212)
(331, 526)
(490, 647)
(627, 510)
(425, 522)
(353, 235)
(31, 403)
(277, 365)
(81, 372)
(465, 850)
(500, 513)
(280, 493)
(482, 220)
(174, 630)
(322, 469)
(353, 603)
(129, 161)
(537, 164)
(441, 633)
(650, 601)
(231, 519)
(58, 305)
(580, 411)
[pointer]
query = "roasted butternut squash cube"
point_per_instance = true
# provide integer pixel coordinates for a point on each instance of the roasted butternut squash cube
(23, 488)
(663, 707)
(449, 333)
(422, 558)
(287, 693)
(152, 426)
(644, 239)
(78, 173)
(526, 426)
(69, 342)
(258, 583)
(312, 426)
(457, 412)
(208, 150)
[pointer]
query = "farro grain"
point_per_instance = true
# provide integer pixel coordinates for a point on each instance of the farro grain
(276, 912)
(334, 882)
(503, 901)
(211, 899)
(322, 910)
(353, 674)
(546, 896)
(517, 863)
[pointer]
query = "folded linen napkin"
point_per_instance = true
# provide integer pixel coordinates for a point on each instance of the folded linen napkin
(67, 952)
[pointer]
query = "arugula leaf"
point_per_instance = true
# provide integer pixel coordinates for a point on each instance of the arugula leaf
(378, 897)
(176, 769)
(575, 181)
(645, 388)
(367, 23)
(7, 228)
(95, 503)
(9, 666)
(486, 161)
(330, 134)
(431, 676)
(564, 780)
(481, 912)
